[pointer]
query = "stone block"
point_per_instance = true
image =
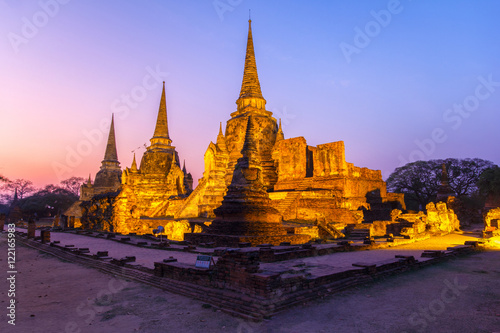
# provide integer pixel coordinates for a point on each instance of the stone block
(432, 254)
(45, 236)
(170, 259)
(102, 253)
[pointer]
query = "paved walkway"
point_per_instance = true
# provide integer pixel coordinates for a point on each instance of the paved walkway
(341, 261)
(117, 250)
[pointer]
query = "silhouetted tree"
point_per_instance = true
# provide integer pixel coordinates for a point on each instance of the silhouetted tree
(49, 201)
(4, 197)
(22, 186)
(73, 184)
(420, 180)
(463, 174)
(489, 182)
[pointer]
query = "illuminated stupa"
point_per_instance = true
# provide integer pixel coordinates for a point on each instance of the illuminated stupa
(221, 157)
(107, 180)
(149, 191)
(305, 183)
(246, 214)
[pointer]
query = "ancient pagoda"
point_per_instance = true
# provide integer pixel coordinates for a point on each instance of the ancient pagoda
(246, 214)
(305, 183)
(107, 180)
(222, 156)
(156, 187)
(15, 213)
(444, 190)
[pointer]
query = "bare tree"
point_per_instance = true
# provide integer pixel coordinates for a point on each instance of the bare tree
(5, 196)
(22, 186)
(73, 184)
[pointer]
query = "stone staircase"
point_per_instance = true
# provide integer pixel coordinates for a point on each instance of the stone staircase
(285, 204)
(359, 234)
(305, 184)
(191, 197)
(156, 212)
(331, 230)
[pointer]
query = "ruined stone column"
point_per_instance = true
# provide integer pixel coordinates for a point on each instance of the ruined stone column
(31, 228)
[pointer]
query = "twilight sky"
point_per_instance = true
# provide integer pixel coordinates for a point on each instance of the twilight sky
(397, 81)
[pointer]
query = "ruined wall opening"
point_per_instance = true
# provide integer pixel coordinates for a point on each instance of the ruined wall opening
(309, 162)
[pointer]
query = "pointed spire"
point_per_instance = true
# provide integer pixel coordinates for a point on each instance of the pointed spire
(15, 196)
(134, 164)
(220, 136)
(110, 160)
(220, 129)
(221, 140)
(279, 135)
(184, 166)
(250, 94)
(161, 136)
(89, 182)
(110, 154)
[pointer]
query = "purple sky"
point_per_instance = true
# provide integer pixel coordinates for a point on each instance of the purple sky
(395, 80)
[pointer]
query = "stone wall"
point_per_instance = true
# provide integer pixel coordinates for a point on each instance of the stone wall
(290, 158)
(98, 213)
(492, 218)
(329, 159)
(441, 218)
(156, 189)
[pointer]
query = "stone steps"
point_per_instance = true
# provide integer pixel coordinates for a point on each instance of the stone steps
(201, 185)
(285, 204)
(334, 232)
(305, 184)
(359, 234)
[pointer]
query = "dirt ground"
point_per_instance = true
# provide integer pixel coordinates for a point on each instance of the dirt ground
(462, 295)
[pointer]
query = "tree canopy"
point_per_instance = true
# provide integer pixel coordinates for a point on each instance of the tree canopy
(489, 182)
(23, 187)
(420, 180)
(73, 184)
(49, 201)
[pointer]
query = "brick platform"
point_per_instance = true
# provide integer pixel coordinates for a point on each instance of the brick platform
(233, 241)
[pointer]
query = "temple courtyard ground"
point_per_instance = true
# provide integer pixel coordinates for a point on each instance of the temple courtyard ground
(461, 295)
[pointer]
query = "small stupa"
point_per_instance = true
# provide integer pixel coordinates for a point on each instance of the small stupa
(246, 214)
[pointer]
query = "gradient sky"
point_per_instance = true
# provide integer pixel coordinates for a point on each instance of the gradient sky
(329, 69)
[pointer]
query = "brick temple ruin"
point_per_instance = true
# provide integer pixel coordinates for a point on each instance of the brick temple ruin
(257, 186)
